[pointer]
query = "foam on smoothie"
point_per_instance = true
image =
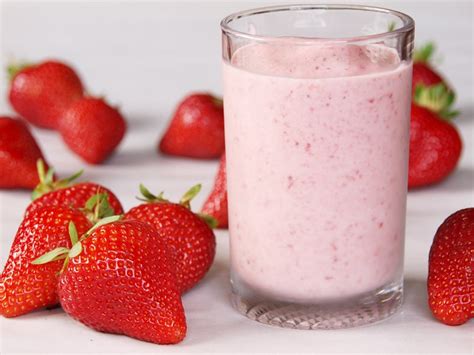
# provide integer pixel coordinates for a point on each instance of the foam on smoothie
(316, 61)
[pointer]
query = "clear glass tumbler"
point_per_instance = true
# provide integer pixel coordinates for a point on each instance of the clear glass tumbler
(317, 111)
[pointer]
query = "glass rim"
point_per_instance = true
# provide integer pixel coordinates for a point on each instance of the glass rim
(408, 22)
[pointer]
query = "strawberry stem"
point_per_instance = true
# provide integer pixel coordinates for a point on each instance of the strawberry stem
(47, 183)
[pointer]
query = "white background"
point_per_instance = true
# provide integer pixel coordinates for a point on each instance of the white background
(144, 56)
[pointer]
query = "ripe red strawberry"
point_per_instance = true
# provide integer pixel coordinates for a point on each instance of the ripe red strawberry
(92, 129)
(18, 155)
(451, 269)
(435, 144)
(196, 129)
(25, 287)
(64, 193)
(75, 196)
(118, 279)
(40, 93)
(216, 203)
(191, 241)
(423, 71)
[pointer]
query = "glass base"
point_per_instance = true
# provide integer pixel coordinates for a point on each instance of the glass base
(365, 309)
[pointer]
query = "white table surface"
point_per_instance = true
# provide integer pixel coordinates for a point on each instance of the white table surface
(145, 56)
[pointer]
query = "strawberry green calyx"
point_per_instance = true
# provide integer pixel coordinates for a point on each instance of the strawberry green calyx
(425, 53)
(97, 207)
(14, 69)
(47, 183)
(210, 221)
(189, 195)
(149, 197)
(437, 98)
(184, 201)
(76, 242)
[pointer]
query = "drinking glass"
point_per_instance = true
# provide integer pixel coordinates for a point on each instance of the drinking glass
(317, 111)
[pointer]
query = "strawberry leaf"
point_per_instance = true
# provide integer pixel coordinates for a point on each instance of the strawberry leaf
(149, 197)
(210, 221)
(73, 233)
(425, 53)
(146, 193)
(102, 222)
(75, 250)
(55, 254)
(437, 98)
(92, 201)
(98, 207)
(189, 195)
(48, 179)
(104, 208)
(67, 181)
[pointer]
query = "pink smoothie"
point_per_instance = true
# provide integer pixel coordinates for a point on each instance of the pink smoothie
(317, 140)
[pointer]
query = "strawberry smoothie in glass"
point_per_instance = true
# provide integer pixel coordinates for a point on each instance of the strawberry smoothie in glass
(317, 111)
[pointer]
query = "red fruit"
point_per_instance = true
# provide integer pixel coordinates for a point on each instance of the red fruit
(92, 129)
(451, 269)
(216, 204)
(18, 155)
(75, 196)
(64, 193)
(423, 71)
(435, 145)
(41, 93)
(191, 241)
(196, 129)
(424, 74)
(25, 287)
(121, 282)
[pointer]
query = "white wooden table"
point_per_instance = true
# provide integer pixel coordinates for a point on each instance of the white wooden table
(145, 57)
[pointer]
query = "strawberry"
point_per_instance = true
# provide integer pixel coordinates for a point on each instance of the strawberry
(62, 193)
(435, 144)
(18, 155)
(451, 269)
(423, 71)
(40, 93)
(92, 129)
(25, 287)
(117, 279)
(216, 203)
(191, 241)
(196, 129)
